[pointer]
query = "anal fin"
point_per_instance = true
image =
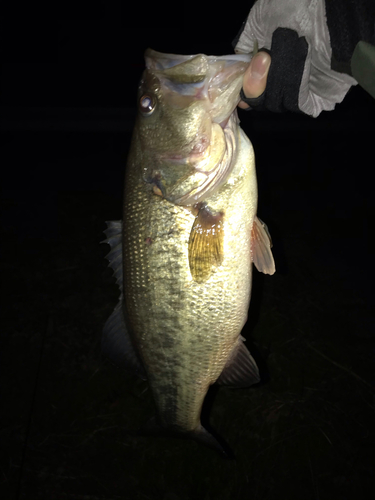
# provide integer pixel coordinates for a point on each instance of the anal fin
(241, 369)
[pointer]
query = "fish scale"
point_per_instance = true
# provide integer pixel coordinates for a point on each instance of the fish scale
(187, 265)
(179, 325)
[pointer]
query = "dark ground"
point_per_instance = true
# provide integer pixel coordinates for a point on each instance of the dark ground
(69, 417)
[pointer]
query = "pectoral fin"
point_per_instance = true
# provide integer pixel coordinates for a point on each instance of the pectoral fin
(206, 244)
(241, 369)
(261, 245)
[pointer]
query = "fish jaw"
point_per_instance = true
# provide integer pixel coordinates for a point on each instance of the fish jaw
(188, 136)
(218, 78)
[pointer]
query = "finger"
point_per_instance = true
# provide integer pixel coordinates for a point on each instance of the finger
(255, 78)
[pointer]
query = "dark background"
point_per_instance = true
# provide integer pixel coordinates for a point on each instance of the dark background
(69, 418)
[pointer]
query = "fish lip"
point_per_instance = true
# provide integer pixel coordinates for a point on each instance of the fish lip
(167, 60)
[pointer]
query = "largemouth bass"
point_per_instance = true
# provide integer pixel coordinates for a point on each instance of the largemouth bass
(184, 251)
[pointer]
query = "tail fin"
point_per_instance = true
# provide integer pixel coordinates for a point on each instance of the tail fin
(200, 434)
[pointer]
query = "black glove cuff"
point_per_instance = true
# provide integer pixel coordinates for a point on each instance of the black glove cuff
(288, 55)
(253, 102)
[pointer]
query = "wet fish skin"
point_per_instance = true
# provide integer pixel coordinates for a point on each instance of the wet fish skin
(188, 239)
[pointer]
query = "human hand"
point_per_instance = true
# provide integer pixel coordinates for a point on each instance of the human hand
(255, 77)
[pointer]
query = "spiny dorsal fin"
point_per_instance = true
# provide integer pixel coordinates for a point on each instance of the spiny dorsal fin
(116, 342)
(114, 240)
(241, 369)
(261, 245)
(206, 244)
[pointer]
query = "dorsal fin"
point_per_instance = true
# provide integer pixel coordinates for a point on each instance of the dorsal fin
(116, 341)
(117, 344)
(114, 257)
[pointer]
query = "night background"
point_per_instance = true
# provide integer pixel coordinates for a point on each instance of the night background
(69, 417)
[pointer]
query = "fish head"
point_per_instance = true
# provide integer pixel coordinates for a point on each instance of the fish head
(187, 122)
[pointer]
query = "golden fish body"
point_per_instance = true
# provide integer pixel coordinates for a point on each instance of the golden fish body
(189, 239)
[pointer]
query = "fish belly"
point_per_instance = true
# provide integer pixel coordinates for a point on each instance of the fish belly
(184, 330)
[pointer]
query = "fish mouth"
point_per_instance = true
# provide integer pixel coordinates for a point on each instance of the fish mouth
(211, 84)
(198, 149)
(207, 169)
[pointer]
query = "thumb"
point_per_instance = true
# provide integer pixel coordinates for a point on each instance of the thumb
(255, 78)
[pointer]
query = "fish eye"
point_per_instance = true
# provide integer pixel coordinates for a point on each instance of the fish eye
(147, 104)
